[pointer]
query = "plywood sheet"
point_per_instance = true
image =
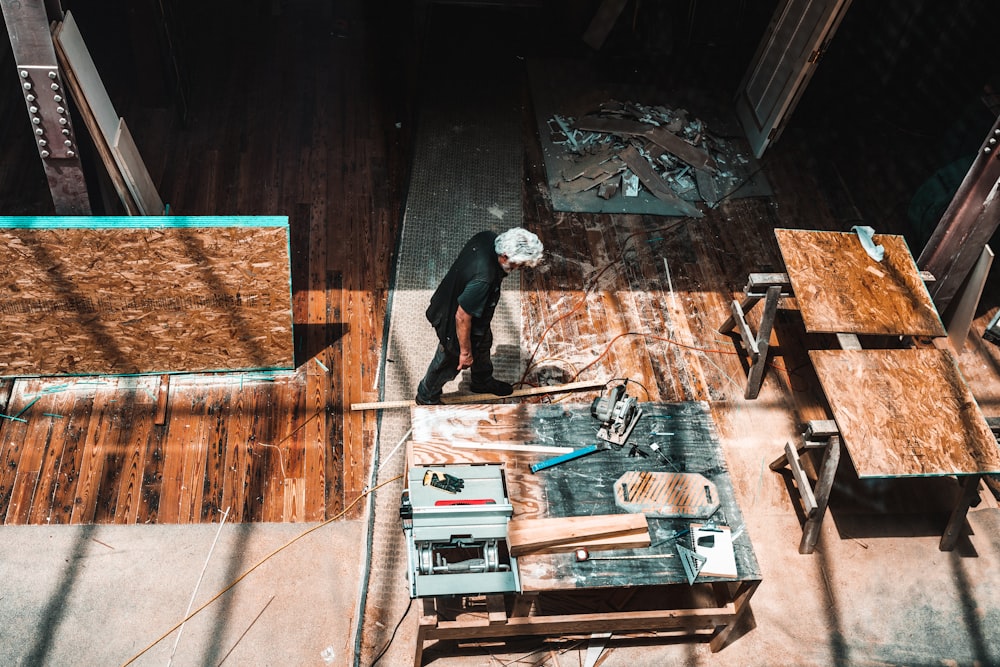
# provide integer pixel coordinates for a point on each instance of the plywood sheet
(840, 289)
(906, 413)
(144, 295)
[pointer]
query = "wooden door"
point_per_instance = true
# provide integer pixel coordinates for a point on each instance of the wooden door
(799, 32)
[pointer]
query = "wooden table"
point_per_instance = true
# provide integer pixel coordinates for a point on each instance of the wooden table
(561, 596)
(909, 413)
(898, 412)
(839, 289)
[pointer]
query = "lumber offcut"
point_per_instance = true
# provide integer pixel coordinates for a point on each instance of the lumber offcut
(563, 534)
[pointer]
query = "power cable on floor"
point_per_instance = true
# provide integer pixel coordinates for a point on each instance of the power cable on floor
(263, 560)
(393, 635)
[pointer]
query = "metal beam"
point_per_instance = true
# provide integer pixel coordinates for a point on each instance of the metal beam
(966, 226)
(47, 102)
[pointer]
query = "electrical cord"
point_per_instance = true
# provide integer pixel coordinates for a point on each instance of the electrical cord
(392, 637)
(240, 578)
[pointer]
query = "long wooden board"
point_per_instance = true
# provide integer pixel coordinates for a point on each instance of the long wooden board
(483, 398)
(539, 535)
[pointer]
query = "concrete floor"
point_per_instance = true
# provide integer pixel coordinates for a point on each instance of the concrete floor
(876, 592)
(100, 595)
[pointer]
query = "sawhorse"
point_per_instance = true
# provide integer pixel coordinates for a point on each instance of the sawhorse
(770, 287)
(823, 434)
(819, 434)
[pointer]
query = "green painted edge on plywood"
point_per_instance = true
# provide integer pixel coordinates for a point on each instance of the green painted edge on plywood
(140, 221)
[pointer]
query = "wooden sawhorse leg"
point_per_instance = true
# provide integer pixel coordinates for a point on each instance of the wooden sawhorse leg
(770, 287)
(426, 622)
(970, 492)
(814, 499)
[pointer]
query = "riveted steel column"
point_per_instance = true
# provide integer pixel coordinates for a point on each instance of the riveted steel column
(46, 101)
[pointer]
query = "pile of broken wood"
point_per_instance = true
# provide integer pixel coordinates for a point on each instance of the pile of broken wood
(625, 145)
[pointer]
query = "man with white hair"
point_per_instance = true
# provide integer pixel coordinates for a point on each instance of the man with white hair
(462, 308)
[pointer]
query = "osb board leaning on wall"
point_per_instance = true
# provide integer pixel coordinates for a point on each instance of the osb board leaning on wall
(122, 295)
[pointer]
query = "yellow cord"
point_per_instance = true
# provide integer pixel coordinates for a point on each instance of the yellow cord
(259, 563)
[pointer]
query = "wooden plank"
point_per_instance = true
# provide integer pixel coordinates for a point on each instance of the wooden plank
(70, 42)
(75, 406)
(120, 489)
(526, 536)
(92, 101)
(906, 412)
(582, 385)
(239, 434)
(52, 453)
(100, 431)
(162, 396)
(137, 300)
(881, 298)
(603, 22)
(638, 540)
(37, 437)
(134, 171)
(963, 310)
(209, 507)
(692, 155)
(655, 183)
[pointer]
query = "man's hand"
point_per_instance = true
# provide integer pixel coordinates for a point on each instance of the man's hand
(463, 327)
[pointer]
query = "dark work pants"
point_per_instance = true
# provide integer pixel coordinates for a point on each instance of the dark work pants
(444, 367)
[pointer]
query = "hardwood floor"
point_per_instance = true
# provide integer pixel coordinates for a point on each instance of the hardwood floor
(295, 114)
(307, 113)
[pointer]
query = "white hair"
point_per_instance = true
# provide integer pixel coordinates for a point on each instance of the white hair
(520, 246)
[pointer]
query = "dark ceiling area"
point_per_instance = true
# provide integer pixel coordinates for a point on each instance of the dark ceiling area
(902, 81)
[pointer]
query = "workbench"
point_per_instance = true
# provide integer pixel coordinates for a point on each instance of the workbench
(900, 409)
(561, 596)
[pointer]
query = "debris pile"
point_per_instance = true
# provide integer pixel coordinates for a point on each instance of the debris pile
(625, 146)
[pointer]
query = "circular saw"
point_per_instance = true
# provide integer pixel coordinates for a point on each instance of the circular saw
(618, 413)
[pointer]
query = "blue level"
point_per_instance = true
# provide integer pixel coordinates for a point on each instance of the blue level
(562, 458)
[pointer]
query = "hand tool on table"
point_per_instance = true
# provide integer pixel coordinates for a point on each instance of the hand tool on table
(618, 413)
(569, 456)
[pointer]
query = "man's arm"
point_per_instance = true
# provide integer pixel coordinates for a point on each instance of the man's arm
(463, 329)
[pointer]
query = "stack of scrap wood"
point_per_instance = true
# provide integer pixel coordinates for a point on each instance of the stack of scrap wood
(623, 146)
(566, 534)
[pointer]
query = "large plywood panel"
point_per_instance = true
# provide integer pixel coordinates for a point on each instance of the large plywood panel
(906, 413)
(840, 289)
(84, 296)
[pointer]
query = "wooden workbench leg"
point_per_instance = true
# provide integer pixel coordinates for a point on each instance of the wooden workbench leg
(523, 602)
(741, 600)
(970, 490)
(428, 621)
(824, 484)
(745, 306)
(756, 375)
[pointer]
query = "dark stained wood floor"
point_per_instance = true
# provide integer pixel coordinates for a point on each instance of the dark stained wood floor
(296, 114)
(290, 113)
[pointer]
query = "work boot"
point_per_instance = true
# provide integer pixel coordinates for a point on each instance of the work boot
(422, 401)
(492, 386)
